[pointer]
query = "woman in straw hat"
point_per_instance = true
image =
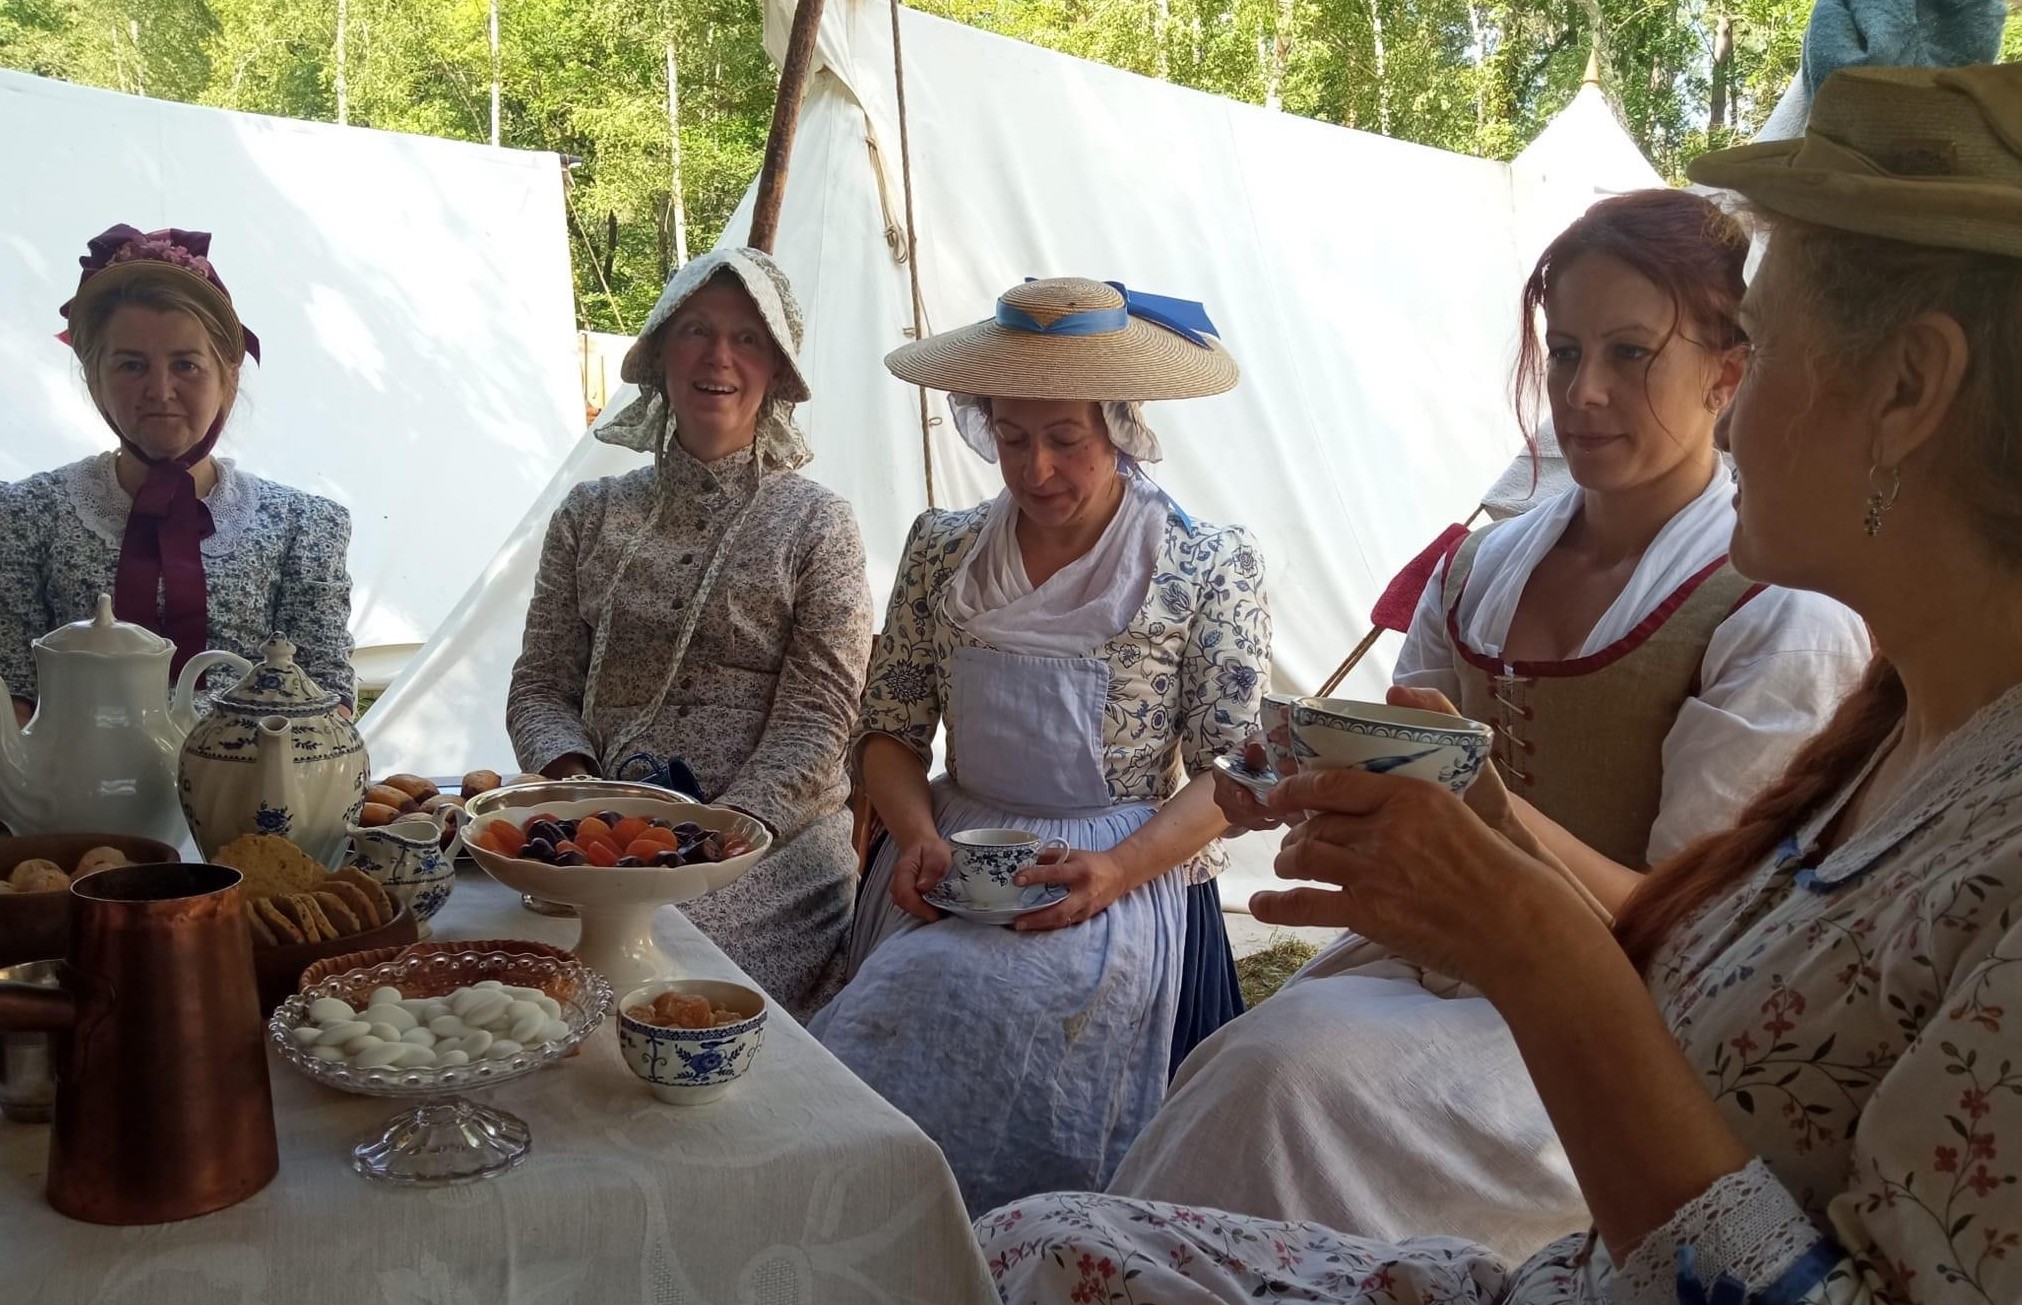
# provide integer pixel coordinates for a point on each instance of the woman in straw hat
(1641, 690)
(1090, 649)
(1792, 1071)
(704, 621)
(187, 545)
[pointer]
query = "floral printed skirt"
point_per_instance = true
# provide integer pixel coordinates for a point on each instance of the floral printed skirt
(1084, 1249)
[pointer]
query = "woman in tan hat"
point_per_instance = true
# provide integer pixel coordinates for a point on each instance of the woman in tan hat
(704, 622)
(188, 545)
(1090, 650)
(1792, 1070)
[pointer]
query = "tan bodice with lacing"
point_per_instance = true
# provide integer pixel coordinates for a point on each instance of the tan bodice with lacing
(1583, 739)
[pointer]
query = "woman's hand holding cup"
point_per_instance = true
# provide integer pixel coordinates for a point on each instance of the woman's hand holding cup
(1239, 805)
(1412, 868)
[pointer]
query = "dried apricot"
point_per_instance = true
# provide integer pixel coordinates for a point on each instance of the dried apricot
(628, 830)
(589, 829)
(645, 849)
(503, 838)
(599, 853)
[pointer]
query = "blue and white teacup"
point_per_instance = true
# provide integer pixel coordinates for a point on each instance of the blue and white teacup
(687, 1067)
(1335, 732)
(1274, 720)
(985, 861)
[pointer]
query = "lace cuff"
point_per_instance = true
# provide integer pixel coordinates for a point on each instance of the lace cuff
(1745, 1228)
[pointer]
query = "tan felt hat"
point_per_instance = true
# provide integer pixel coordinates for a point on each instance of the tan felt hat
(1071, 338)
(1927, 156)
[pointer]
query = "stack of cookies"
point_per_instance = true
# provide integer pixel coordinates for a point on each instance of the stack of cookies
(291, 899)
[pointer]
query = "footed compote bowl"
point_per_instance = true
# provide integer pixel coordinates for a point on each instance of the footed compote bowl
(614, 903)
(445, 1137)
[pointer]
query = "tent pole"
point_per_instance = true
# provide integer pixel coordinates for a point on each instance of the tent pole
(785, 117)
(912, 242)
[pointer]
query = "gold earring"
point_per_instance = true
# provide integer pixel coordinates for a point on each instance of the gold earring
(1880, 500)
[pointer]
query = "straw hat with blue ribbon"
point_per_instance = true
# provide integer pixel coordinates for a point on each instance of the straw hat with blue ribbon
(1075, 339)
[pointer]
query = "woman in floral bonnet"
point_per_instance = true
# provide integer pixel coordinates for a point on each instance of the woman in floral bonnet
(187, 545)
(706, 620)
(1791, 1071)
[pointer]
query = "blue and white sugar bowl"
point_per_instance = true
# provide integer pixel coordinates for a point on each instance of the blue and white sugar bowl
(688, 1066)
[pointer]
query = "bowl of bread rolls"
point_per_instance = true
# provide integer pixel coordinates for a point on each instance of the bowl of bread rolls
(36, 872)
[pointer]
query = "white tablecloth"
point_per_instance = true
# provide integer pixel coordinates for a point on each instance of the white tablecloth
(801, 1185)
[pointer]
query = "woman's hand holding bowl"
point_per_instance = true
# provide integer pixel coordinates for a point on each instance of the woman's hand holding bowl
(1414, 869)
(920, 866)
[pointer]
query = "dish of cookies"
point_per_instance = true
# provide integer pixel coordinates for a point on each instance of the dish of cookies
(39, 875)
(292, 899)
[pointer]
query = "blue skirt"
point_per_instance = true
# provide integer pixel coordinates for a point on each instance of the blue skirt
(1209, 995)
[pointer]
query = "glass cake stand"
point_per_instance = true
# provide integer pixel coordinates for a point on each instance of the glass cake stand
(445, 1137)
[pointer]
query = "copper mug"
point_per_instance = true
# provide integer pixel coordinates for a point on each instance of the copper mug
(163, 1110)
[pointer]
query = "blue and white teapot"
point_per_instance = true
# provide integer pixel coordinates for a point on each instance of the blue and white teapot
(277, 756)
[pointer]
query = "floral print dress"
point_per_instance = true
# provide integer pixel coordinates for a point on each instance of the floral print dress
(1855, 1016)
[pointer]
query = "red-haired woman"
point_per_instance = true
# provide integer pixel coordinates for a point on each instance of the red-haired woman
(1641, 690)
(1792, 1072)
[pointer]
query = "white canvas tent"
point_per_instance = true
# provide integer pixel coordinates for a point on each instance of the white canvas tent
(413, 296)
(1367, 286)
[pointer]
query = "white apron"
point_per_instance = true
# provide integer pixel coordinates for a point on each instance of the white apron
(1032, 1059)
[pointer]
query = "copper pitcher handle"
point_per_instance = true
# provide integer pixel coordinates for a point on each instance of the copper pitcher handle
(32, 1008)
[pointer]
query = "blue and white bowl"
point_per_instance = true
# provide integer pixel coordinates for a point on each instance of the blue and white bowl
(686, 1067)
(1335, 732)
(410, 863)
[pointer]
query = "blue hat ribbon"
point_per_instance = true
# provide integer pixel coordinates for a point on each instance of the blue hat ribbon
(1183, 317)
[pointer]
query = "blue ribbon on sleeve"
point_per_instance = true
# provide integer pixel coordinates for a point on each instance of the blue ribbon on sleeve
(1183, 317)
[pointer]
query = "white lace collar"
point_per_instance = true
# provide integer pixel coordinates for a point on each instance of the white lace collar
(92, 486)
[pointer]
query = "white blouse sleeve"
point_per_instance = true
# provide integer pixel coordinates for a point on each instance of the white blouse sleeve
(1427, 660)
(1773, 674)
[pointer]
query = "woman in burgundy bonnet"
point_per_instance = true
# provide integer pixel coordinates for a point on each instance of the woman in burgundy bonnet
(189, 546)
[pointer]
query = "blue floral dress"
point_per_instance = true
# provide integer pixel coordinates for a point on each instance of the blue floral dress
(1033, 1059)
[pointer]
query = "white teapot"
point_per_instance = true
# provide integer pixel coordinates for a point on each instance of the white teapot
(99, 756)
(277, 756)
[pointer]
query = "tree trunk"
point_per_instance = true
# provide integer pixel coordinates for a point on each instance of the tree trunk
(1723, 74)
(494, 73)
(1382, 67)
(343, 96)
(1280, 57)
(139, 59)
(1479, 44)
(676, 212)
